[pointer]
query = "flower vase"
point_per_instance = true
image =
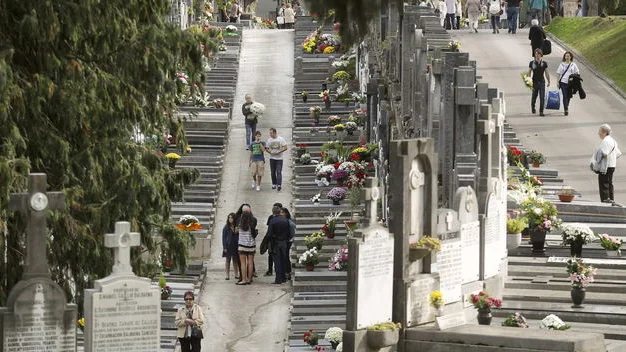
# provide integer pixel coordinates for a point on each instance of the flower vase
(513, 240)
(610, 253)
(333, 344)
(330, 235)
(536, 165)
(310, 267)
(316, 118)
(538, 239)
(172, 163)
(576, 249)
(578, 296)
(484, 316)
(336, 202)
(327, 104)
(566, 198)
(165, 296)
(418, 253)
(439, 312)
(305, 98)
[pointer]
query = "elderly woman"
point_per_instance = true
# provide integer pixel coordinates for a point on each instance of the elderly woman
(473, 13)
(290, 16)
(536, 36)
(189, 320)
(604, 162)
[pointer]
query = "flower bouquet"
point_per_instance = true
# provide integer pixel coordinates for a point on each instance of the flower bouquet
(341, 76)
(331, 224)
(580, 275)
(436, 299)
(339, 127)
(536, 158)
(257, 108)
(541, 214)
(314, 240)
(305, 159)
(339, 175)
(553, 322)
(423, 247)
(351, 127)
(337, 194)
(334, 120)
(324, 171)
(483, 301)
(325, 95)
(188, 223)
(334, 335)
(516, 320)
(576, 234)
(610, 243)
(219, 103)
(339, 261)
(309, 258)
(166, 291)
(454, 45)
(514, 155)
(230, 30)
(528, 82)
(81, 324)
(311, 337)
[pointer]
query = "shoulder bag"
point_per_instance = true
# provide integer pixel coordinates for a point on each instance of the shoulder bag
(196, 332)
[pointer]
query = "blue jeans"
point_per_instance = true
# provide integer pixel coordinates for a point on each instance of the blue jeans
(511, 15)
(536, 14)
(495, 22)
(276, 170)
(539, 88)
(563, 87)
(250, 129)
(279, 252)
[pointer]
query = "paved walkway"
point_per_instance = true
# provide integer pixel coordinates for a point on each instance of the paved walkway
(254, 317)
(567, 142)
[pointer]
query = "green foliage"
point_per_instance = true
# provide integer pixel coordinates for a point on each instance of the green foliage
(77, 81)
(162, 282)
(599, 40)
(385, 326)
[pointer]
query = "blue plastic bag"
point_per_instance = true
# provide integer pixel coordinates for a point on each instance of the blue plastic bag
(553, 100)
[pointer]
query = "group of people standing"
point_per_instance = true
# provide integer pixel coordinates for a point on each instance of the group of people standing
(239, 244)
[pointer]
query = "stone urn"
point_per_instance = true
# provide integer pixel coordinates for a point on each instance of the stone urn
(377, 339)
(484, 316)
(536, 164)
(578, 296)
(513, 240)
(417, 253)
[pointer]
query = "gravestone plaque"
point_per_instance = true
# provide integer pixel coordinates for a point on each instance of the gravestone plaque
(466, 205)
(492, 237)
(123, 311)
(37, 316)
(451, 320)
(449, 258)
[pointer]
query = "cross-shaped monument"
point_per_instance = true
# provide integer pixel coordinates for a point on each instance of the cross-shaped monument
(121, 241)
(372, 194)
(35, 204)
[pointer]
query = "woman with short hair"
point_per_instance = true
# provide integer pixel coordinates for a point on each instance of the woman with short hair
(290, 16)
(566, 68)
(187, 318)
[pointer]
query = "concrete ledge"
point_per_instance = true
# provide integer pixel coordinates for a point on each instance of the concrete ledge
(503, 339)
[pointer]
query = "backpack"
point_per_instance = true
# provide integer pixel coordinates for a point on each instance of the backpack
(494, 7)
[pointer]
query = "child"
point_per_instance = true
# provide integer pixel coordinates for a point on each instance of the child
(257, 160)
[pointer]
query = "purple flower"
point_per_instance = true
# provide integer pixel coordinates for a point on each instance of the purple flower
(337, 193)
(339, 174)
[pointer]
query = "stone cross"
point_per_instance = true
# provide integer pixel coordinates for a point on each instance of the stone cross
(449, 220)
(35, 205)
(121, 241)
(372, 195)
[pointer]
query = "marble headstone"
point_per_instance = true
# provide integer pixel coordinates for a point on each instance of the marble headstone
(123, 311)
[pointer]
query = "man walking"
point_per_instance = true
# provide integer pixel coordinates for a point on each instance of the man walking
(279, 231)
(605, 163)
(538, 68)
(450, 14)
(512, 13)
(276, 146)
(270, 259)
(536, 9)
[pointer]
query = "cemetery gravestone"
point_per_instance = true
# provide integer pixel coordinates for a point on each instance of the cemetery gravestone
(491, 239)
(449, 258)
(466, 205)
(37, 316)
(123, 311)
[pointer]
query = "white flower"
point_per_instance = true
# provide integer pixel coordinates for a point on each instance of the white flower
(334, 334)
(538, 211)
(257, 108)
(339, 347)
(231, 28)
(551, 321)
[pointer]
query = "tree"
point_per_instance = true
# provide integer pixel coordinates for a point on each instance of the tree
(78, 80)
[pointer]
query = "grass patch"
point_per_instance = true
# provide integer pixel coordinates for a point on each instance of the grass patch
(602, 41)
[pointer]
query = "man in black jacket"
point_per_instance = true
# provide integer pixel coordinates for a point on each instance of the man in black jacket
(536, 36)
(270, 258)
(279, 231)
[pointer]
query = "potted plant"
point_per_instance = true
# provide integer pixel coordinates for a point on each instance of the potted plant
(334, 335)
(516, 320)
(301, 149)
(334, 120)
(311, 338)
(315, 114)
(305, 159)
(188, 223)
(340, 176)
(339, 261)
(566, 195)
(484, 303)
(166, 291)
(324, 171)
(580, 276)
(340, 76)
(536, 158)
(304, 95)
(553, 322)
(350, 127)
(172, 159)
(541, 216)
(309, 259)
(314, 240)
(219, 103)
(337, 194)
(514, 228)
(331, 224)
(325, 95)
(423, 247)
(611, 244)
(383, 335)
(437, 302)
(514, 155)
(576, 235)
(81, 324)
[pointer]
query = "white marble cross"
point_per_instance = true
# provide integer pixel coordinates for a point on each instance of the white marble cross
(121, 241)
(372, 195)
(449, 219)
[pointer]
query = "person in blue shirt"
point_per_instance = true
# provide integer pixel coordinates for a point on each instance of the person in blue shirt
(257, 160)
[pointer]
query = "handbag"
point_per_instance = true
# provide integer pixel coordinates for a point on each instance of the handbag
(553, 101)
(546, 47)
(280, 20)
(265, 244)
(196, 332)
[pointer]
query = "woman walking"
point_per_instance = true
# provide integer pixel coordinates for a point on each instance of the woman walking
(473, 13)
(230, 242)
(536, 36)
(495, 9)
(188, 318)
(247, 247)
(566, 68)
(290, 16)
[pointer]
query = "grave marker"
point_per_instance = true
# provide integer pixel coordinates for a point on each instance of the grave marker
(37, 316)
(466, 205)
(449, 259)
(123, 311)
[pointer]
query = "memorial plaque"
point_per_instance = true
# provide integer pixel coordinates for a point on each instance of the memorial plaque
(470, 243)
(123, 311)
(418, 308)
(493, 245)
(450, 260)
(40, 320)
(375, 279)
(451, 320)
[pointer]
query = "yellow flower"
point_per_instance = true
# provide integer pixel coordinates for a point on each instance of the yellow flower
(435, 295)
(329, 50)
(172, 156)
(188, 150)
(81, 322)
(359, 150)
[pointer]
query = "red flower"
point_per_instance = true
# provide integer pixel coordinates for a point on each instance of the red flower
(336, 26)
(355, 157)
(322, 154)
(321, 47)
(337, 165)
(302, 145)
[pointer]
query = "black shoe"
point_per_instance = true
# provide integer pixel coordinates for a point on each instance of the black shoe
(566, 113)
(268, 273)
(541, 113)
(279, 188)
(533, 110)
(277, 283)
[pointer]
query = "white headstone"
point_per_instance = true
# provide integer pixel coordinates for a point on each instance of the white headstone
(466, 204)
(123, 311)
(449, 258)
(493, 251)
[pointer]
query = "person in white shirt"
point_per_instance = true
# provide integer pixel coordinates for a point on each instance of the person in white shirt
(610, 151)
(450, 14)
(566, 68)
(442, 11)
(459, 14)
(276, 146)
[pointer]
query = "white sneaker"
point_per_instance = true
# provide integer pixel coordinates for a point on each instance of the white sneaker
(253, 185)
(258, 188)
